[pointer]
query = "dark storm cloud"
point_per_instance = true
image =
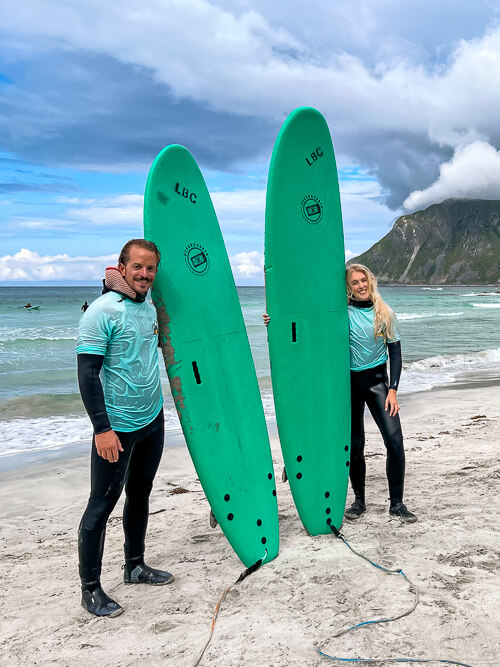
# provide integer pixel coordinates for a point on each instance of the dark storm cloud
(97, 112)
(402, 84)
(87, 110)
(401, 162)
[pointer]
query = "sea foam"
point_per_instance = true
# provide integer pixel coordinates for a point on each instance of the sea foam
(449, 368)
(423, 316)
(50, 433)
(19, 334)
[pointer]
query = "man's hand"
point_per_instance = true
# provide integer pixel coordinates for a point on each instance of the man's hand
(108, 446)
(266, 319)
(391, 403)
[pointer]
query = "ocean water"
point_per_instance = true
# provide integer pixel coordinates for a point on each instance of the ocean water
(450, 335)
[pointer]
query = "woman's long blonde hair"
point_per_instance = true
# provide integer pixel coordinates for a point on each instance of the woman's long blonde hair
(383, 323)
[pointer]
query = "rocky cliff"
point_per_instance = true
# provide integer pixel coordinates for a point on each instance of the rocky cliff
(456, 242)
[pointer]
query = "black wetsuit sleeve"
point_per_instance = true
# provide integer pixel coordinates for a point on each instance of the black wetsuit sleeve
(395, 363)
(89, 366)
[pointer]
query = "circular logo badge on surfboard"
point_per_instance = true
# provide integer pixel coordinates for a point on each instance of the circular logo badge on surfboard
(197, 259)
(312, 209)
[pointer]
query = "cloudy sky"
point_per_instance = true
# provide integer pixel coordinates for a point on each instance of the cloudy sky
(92, 90)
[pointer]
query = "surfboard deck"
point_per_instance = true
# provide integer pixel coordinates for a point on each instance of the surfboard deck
(308, 333)
(207, 356)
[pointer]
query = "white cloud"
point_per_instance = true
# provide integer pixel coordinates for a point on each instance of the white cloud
(425, 96)
(250, 65)
(240, 211)
(473, 172)
(251, 265)
(247, 264)
(28, 265)
(120, 210)
(241, 200)
(398, 86)
(75, 201)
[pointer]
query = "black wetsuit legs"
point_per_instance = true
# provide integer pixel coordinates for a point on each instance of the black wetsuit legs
(370, 387)
(357, 469)
(138, 489)
(135, 469)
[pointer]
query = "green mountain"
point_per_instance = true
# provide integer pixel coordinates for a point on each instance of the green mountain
(456, 242)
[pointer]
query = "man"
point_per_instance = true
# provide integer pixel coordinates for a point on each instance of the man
(119, 383)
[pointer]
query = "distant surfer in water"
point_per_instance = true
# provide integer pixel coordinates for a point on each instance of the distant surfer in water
(28, 305)
(118, 340)
(374, 338)
(84, 307)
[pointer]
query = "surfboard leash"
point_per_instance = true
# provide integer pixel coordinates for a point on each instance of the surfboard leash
(250, 570)
(413, 589)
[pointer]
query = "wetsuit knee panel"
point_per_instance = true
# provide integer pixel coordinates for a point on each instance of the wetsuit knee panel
(97, 512)
(138, 489)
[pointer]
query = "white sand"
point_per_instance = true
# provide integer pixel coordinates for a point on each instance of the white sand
(315, 587)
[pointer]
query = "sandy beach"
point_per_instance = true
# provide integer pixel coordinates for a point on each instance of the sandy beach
(314, 588)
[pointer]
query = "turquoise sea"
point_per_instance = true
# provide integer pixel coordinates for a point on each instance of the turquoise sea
(450, 335)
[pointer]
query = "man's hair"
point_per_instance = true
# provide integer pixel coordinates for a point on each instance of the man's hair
(141, 243)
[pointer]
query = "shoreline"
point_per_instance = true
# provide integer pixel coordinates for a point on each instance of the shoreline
(312, 589)
(434, 285)
(98, 284)
(10, 463)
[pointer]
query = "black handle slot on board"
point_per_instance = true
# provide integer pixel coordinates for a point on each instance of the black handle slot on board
(294, 332)
(196, 373)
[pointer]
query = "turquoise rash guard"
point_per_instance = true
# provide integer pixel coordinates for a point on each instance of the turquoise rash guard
(366, 351)
(125, 334)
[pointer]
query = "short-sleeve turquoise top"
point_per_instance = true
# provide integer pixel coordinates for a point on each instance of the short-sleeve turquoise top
(366, 352)
(125, 333)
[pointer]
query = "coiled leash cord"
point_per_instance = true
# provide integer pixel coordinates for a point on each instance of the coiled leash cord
(243, 575)
(413, 589)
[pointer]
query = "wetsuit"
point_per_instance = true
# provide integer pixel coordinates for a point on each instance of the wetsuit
(120, 386)
(369, 386)
(136, 469)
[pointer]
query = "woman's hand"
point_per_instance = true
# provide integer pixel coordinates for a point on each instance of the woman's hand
(266, 319)
(391, 403)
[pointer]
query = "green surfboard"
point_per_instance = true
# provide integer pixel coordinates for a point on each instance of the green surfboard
(308, 332)
(208, 358)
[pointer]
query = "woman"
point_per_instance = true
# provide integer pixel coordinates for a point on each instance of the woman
(374, 338)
